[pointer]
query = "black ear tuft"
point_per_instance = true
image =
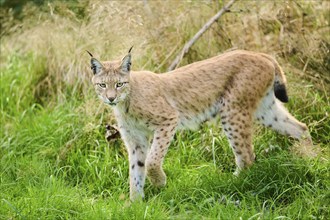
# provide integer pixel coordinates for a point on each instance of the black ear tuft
(90, 54)
(94, 65)
(130, 49)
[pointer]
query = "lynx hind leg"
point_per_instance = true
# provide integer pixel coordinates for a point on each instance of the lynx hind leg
(273, 114)
(237, 125)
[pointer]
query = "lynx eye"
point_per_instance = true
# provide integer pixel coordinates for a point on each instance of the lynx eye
(120, 84)
(102, 85)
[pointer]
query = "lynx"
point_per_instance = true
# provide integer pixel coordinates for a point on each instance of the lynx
(238, 86)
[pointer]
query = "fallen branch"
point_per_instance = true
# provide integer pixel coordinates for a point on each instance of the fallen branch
(186, 47)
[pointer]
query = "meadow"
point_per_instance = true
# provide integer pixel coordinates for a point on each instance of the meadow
(55, 162)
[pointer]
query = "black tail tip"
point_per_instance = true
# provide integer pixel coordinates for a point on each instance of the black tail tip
(280, 93)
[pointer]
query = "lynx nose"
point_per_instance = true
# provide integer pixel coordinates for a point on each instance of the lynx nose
(111, 99)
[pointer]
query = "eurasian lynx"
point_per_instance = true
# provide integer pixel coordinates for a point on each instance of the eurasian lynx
(239, 86)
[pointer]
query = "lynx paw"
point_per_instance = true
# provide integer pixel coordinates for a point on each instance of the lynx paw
(306, 148)
(157, 177)
(111, 132)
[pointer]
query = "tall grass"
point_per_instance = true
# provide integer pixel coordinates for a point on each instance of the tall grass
(292, 30)
(55, 162)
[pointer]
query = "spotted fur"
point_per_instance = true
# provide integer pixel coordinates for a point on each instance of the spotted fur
(239, 86)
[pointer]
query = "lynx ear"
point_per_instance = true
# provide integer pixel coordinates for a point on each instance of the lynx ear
(126, 62)
(96, 65)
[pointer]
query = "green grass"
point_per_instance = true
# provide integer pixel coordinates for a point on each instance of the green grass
(56, 164)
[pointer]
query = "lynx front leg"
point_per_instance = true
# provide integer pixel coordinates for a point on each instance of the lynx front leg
(161, 141)
(137, 146)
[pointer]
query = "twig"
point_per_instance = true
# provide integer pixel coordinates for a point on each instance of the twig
(306, 64)
(186, 47)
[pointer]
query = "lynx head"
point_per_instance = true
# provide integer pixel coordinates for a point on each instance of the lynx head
(111, 79)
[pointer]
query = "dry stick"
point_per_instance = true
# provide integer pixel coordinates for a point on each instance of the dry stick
(186, 47)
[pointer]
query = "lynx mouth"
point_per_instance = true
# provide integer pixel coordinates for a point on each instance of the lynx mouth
(112, 104)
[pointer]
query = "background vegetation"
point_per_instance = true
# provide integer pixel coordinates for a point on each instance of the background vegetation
(55, 162)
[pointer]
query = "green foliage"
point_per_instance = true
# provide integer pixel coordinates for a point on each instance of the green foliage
(18, 82)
